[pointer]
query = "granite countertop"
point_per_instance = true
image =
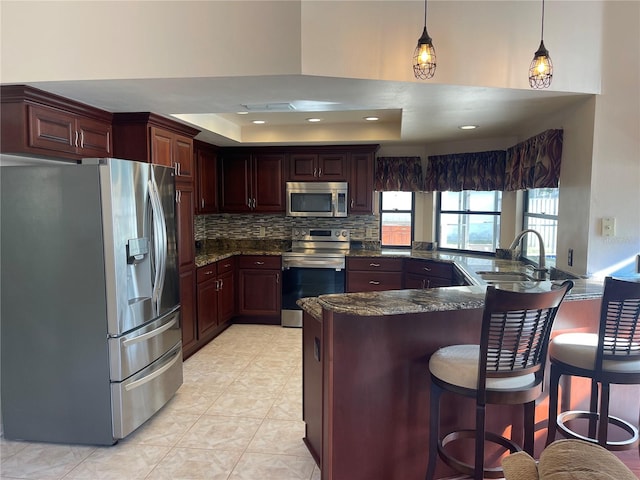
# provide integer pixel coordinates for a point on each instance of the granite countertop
(395, 302)
(205, 258)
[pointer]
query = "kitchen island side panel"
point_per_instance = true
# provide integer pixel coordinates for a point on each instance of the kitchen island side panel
(376, 391)
(55, 368)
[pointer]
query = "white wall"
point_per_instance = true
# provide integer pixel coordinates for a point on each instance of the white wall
(483, 43)
(615, 180)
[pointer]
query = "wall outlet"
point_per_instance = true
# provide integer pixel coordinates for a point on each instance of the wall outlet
(570, 257)
(261, 232)
(609, 226)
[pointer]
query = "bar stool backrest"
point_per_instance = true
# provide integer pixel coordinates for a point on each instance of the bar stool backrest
(515, 332)
(619, 331)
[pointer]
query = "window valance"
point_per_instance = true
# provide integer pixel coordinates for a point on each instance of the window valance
(484, 171)
(535, 163)
(398, 174)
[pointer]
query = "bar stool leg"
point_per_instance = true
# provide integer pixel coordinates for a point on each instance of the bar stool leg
(480, 429)
(593, 407)
(603, 414)
(529, 427)
(434, 430)
(554, 381)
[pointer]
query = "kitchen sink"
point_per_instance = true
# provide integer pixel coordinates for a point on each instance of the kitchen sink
(504, 276)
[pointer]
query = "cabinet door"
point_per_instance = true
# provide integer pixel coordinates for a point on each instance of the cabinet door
(259, 292)
(235, 183)
(52, 129)
(187, 311)
(184, 218)
(226, 297)
(268, 183)
(207, 167)
(183, 157)
(94, 138)
(361, 183)
(161, 147)
(207, 306)
(332, 167)
(303, 166)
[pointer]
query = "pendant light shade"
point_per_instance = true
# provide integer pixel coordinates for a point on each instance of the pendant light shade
(541, 68)
(424, 56)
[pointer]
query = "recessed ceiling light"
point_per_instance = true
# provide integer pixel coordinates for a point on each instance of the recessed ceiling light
(242, 113)
(314, 120)
(259, 122)
(468, 127)
(371, 119)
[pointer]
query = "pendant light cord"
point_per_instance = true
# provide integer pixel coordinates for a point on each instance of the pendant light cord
(425, 13)
(541, 30)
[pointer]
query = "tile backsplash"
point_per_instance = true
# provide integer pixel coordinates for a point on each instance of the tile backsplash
(278, 227)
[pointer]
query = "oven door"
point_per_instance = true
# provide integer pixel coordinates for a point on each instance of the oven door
(301, 282)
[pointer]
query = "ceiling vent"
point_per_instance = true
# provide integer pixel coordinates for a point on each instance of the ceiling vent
(270, 107)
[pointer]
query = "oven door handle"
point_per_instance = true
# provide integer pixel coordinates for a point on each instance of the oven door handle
(311, 263)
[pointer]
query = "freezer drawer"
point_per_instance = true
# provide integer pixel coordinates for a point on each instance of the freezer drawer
(136, 399)
(132, 352)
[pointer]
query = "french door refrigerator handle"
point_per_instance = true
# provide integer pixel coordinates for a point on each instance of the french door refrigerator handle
(146, 336)
(160, 241)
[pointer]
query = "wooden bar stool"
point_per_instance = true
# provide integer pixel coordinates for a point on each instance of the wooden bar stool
(611, 356)
(507, 368)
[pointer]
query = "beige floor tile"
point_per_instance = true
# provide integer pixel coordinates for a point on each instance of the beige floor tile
(316, 473)
(121, 461)
(43, 461)
(165, 428)
(9, 447)
(222, 433)
(282, 437)
(237, 415)
(232, 404)
(194, 398)
(195, 464)
(260, 466)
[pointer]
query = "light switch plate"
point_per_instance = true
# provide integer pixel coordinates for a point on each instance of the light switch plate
(608, 226)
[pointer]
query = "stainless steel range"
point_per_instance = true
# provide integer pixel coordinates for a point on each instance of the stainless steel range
(314, 266)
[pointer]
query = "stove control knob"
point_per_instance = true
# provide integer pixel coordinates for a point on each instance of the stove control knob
(344, 233)
(296, 233)
(337, 233)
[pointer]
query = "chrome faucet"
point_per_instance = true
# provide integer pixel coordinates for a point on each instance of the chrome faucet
(540, 272)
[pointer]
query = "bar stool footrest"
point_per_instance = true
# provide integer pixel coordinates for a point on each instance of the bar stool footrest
(465, 468)
(627, 444)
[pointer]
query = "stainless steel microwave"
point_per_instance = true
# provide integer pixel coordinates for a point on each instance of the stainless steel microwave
(317, 199)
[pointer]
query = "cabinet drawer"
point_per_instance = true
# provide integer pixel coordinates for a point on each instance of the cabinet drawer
(375, 264)
(226, 265)
(260, 261)
(373, 281)
(205, 273)
(431, 269)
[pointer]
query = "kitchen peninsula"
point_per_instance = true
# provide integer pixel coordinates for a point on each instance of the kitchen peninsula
(365, 373)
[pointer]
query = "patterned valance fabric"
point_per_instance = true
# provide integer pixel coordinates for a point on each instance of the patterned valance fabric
(534, 163)
(484, 171)
(398, 174)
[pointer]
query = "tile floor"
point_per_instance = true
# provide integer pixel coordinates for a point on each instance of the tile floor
(237, 417)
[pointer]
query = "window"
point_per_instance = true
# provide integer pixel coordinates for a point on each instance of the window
(541, 215)
(396, 219)
(469, 220)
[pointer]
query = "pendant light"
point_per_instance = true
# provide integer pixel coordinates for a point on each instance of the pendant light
(541, 68)
(424, 56)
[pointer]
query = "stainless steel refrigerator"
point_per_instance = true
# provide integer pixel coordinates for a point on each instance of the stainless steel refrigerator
(90, 314)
